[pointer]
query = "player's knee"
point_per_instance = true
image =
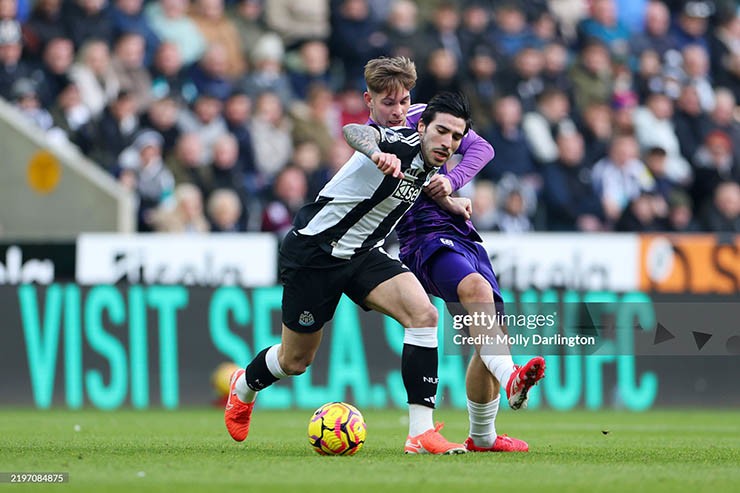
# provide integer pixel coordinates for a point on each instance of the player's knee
(475, 290)
(425, 316)
(296, 366)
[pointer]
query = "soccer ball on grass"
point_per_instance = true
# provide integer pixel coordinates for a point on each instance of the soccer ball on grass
(337, 428)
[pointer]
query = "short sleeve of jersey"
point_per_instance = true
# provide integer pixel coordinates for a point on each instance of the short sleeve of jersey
(404, 142)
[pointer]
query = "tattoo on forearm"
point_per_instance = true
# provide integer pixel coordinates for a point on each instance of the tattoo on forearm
(362, 138)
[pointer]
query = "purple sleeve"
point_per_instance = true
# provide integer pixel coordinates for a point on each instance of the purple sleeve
(476, 153)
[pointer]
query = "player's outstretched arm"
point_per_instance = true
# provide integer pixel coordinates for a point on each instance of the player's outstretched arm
(365, 139)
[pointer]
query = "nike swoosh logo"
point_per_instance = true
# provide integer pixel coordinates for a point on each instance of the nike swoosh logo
(416, 447)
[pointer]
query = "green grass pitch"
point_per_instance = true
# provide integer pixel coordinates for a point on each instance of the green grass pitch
(189, 450)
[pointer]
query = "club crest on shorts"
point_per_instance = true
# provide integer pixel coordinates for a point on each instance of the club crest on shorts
(448, 242)
(306, 319)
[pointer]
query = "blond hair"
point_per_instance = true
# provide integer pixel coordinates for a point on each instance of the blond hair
(388, 74)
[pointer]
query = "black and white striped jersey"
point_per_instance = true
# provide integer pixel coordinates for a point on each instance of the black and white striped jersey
(360, 206)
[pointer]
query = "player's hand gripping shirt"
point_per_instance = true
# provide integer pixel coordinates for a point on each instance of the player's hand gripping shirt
(360, 206)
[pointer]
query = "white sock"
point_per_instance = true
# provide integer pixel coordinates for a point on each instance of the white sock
(421, 419)
(273, 364)
(501, 366)
(483, 422)
(243, 392)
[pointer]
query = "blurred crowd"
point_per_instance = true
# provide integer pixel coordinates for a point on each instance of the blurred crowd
(226, 115)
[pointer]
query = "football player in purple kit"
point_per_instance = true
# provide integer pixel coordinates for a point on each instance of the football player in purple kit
(444, 251)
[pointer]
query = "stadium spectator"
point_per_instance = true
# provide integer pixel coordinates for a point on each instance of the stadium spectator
(644, 214)
(681, 214)
(307, 157)
(404, 31)
(267, 73)
(555, 69)
(571, 204)
(72, 116)
(620, 177)
(311, 66)
(723, 117)
(317, 120)
(545, 29)
(44, 24)
(289, 193)
(724, 51)
(170, 22)
(271, 135)
(247, 17)
(211, 74)
(161, 116)
(696, 70)
(12, 68)
(713, 163)
(481, 85)
(128, 16)
(226, 173)
(598, 125)
(656, 159)
(648, 78)
(568, 13)
(475, 27)
(169, 77)
(623, 112)
(94, 76)
(654, 128)
(513, 154)
(143, 170)
(128, 65)
(224, 211)
(524, 77)
(57, 58)
(542, 126)
(115, 130)
(511, 33)
(296, 22)
(592, 76)
(442, 74)
(691, 24)
(217, 29)
(655, 37)
(355, 38)
(26, 98)
(352, 108)
(237, 114)
(603, 25)
(723, 213)
(690, 122)
(485, 207)
(512, 216)
(206, 120)
(186, 216)
(87, 19)
(187, 164)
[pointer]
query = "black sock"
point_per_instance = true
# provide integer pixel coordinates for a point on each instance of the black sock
(419, 372)
(258, 376)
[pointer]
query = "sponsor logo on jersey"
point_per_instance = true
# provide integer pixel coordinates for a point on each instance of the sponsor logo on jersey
(407, 191)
